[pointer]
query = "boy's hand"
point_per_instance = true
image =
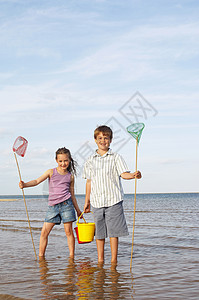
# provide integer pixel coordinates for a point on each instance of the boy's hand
(138, 174)
(87, 207)
(21, 184)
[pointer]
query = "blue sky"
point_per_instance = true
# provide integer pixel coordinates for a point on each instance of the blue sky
(69, 66)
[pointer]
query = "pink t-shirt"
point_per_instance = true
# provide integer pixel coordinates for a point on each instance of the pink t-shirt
(59, 188)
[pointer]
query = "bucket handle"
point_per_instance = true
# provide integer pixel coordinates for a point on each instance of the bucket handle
(82, 217)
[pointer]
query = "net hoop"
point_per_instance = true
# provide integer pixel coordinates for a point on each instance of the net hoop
(135, 130)
(20, 146)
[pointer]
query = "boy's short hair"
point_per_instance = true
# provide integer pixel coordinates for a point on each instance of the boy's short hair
(105, 130)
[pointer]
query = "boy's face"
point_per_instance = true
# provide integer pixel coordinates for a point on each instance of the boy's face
(103, 142)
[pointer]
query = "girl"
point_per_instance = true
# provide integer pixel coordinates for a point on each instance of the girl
(61, 200)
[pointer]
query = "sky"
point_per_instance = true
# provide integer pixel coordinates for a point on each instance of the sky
(68, 66)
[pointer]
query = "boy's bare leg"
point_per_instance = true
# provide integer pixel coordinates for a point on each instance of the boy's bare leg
(100, 250)
(70, 238)
(114, 249)
(47, 227)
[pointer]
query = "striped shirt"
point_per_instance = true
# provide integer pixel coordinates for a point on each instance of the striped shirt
(104, 172)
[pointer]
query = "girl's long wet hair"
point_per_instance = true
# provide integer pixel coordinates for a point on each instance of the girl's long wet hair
(72, 165)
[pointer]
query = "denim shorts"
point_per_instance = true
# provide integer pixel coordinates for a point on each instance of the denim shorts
(62, 211)
(110, 221)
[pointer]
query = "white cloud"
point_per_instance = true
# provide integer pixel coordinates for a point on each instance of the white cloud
(140, 52)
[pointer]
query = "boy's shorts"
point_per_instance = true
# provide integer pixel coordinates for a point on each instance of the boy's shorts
(62, 211)
(110, 221)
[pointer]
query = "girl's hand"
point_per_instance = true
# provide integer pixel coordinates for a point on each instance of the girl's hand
(79, 213)
(21, 184)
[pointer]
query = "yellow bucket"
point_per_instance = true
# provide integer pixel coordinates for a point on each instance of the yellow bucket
(86, 231)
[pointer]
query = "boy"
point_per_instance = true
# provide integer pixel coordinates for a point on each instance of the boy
(103, 171)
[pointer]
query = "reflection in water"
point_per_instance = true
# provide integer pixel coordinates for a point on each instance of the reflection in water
(55, 284)
(115, 288)
(82, 280)
(45, 277)
(101, 278)
(85, 279)
(70, 279)
(131, 284)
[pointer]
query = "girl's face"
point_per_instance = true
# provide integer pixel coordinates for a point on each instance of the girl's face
(63, 161)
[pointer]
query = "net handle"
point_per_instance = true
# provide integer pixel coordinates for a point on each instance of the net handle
(137, 136)
(25, 206)
(134, 204)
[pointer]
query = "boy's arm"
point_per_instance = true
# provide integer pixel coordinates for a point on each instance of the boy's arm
(87, 198)
(37, 181)
(128, 176)
(73, 196)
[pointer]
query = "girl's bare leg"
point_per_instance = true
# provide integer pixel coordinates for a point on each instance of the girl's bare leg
(47, 227)
(100, 249)
(70, 238)
(114, 249)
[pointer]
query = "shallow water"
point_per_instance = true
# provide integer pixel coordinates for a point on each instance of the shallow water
(165, 258)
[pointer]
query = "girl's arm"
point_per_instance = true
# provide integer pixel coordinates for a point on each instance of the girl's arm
(87, 198)
(128, 176)
(37, 181)
(73, 196)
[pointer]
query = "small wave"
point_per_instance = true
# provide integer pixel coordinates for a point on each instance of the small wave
(10, 199)
(168, 246)
(9, 297)
(22, 221)
(18, 229)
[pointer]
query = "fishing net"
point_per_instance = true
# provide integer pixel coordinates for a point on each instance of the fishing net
(136, 130)
(20, 146)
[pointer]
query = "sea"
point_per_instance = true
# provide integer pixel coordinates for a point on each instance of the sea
(165, 263)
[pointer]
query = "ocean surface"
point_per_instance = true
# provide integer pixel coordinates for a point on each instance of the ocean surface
(165, 253)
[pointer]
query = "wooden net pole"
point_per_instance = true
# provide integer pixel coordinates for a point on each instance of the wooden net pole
(134, 204)
(26, 206)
